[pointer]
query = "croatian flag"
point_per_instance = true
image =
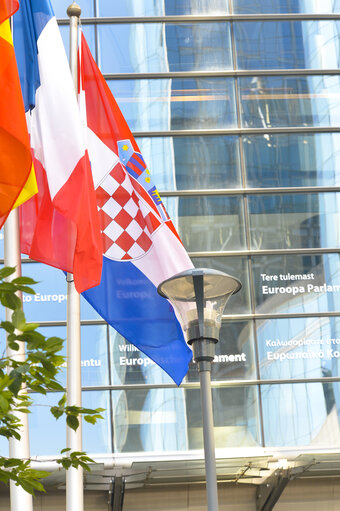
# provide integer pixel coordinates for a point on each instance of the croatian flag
(60, 225)
(141, 247)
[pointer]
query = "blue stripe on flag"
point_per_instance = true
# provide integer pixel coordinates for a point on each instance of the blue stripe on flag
(29, 21)
(129, 302)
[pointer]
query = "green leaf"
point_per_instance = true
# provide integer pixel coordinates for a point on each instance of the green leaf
(8, 326)
(11, 301)
(18, 319)
(72, 422)
(6, 271)
(16, 383)
(24, 280)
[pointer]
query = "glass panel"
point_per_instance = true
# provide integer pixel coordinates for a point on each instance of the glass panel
(311, 159)
(48, 435)
(129, 365)
(285, 6)
(49, 302)
(60, 8)
(297, 283)
(170, 419)
(208, 223)
(294, 221)
(88, 32)
(287, 44)
(162, 47)
(97, 438)
(188, 103)
(166, 7)
(94, 357)
(274, 101)
(298, 347)
(301, 414)
(237, 267)
(234, 359)
(193, 163)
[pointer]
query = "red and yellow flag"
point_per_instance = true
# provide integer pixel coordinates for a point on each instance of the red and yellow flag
(17, 178)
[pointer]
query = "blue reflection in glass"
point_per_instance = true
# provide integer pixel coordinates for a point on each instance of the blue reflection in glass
(285, 6)
(298, 347)
(88, 32)
(166, 7)
(294, 220)
(188, 103)
(311, 159)
(48, 435)
(159, 47)
(297, 283)
(221, 219)
(287, 44)
(49, 302)
(129, 365)
(274, 101)
(301, 414)
(97, 438)
(150, 420)
(60, 8)
(94, 356)
(199, 162)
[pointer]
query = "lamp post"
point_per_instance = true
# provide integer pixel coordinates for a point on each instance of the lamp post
(199, 297)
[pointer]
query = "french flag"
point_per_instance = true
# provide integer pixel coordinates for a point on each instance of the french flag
(60, 225)
(141, 247)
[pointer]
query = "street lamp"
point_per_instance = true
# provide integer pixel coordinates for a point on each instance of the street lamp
(199, 297)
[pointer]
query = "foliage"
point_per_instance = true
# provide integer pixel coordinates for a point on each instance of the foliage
(37, 373)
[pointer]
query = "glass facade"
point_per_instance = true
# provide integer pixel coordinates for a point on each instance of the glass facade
(238, 120)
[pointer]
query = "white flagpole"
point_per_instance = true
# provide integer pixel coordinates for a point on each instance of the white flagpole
(74, 477)
(19, 498)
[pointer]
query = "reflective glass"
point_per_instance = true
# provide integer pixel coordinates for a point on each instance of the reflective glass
(208, 223)
(162, 47)
(297, 283)
(237, 267)
(287, 44)
(294, 221)
(170, 419)
(234, 358)
(285, 6)
(193, 163)
(49, 302)
(274, 101)
(97, 438)
(311, 159)
(298, 347)
(129, 365)
(301, 414)
(48, 435)
(94, 356)
(166, 7)
(88, 31)
(186, 103)
(60, 8)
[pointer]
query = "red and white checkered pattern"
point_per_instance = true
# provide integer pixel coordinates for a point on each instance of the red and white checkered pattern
(126, 222)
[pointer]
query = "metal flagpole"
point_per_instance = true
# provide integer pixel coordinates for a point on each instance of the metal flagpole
(19, 498)
(74, 477)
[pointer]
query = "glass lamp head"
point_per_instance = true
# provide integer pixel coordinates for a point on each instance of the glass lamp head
(199, 297)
